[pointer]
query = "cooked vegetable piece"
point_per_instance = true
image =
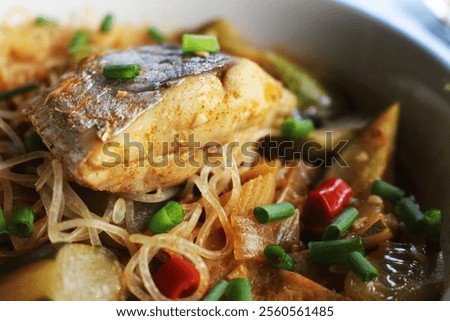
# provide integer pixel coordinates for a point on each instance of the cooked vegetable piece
(107, 23)
(22, 222)
(195, 43)
(18, 91)
(409, 212)
(405, 272)
(45, 21)
(33, 142)
(177, 278)
(308, 90)
(433, 227)
(217, 291)
(274, 212)
(376, 144)
(239, 289)
(3, 224)
(361, 267)
(374, 231)
(327, 201)
(341, 224)
(156, 34)
(126, 72)
(63, 272)
(79, 45)
(387, 191)
(297, 287)
(296, 128)
(292, 185)
(137, 221)
(166, 218)
(249, 236)
(278, 257)
(334, 251)
(331, 138)
(271, 284)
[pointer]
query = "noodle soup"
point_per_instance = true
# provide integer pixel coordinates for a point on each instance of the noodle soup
(204, 174)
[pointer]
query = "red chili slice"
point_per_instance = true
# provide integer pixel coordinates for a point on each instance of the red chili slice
(328, 200)
(177, 278)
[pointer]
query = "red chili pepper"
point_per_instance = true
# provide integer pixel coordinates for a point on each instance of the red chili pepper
(328, 200)
(177, 278)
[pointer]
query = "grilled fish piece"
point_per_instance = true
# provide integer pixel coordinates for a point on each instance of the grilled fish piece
(118, 135)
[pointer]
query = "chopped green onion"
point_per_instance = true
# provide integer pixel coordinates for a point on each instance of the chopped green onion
(361, 267)
(387, 191)
(340, 224)
(3, 225)
(107, 23)
(156, 35)
(18, 91)
(217, 291)
(296, 128)
(239, 289)
(33, 142)
(194, 43)
(126, 72)
(22, 222)
(79, 43)
(334, 251)
(410, 214)
(276, 256)
(166, 218)
(433, 227)
(45, 21)
(273, 212)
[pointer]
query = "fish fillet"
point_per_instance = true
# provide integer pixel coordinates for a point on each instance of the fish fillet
(87, 120)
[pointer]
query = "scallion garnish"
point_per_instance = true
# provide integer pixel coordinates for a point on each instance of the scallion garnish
(125, 72)
(79, 43)
(361, 267)
(387, 191)
(194, 43)
(273, 212)
(217, 291)
(44, 21)
(334, 251)
(22, 222)
(107, 23)
(18, 91)
(156, 35)
(277, 256)
(166, 218)
(410, 214)
(292, 128)
(33, 142)
(340, 224)
(433, 227)
(3, 225)
(239, 289)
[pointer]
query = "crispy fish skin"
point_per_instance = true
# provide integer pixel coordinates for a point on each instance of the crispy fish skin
(217, 98)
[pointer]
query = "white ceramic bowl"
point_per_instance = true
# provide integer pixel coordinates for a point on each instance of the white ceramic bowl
(384, 47)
